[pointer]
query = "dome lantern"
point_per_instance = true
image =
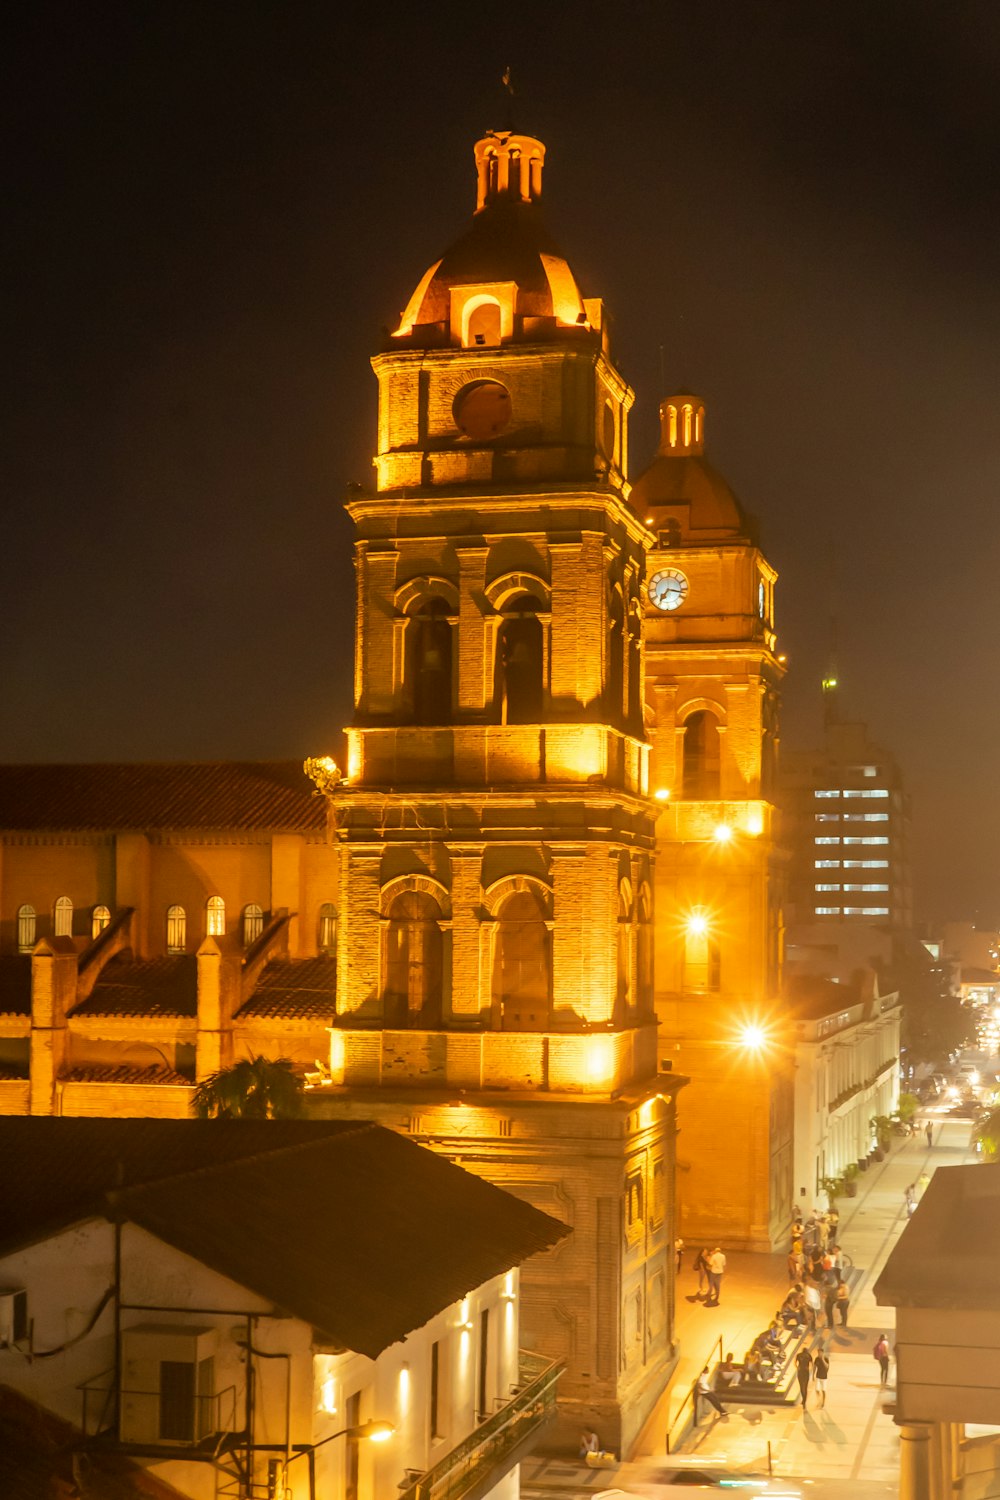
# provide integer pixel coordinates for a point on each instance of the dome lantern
(508, 167)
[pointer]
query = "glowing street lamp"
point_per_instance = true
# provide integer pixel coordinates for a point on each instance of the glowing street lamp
(753, 1036)
(723, 833)
(373, 1432)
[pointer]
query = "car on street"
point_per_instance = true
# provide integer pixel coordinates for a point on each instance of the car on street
(658, 1479)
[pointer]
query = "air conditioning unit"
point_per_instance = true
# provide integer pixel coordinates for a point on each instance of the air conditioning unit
(13, 1318)
(168, 1384)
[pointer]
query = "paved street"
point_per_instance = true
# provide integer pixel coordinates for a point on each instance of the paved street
(849, 1447)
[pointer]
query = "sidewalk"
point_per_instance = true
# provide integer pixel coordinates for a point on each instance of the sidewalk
(852, 1436)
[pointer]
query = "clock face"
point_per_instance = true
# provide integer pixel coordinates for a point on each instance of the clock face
(668, 589)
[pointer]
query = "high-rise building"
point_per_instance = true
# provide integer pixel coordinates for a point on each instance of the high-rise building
(848, 830)
(712, 681)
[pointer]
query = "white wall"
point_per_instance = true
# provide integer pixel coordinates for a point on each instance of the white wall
(66, 1276)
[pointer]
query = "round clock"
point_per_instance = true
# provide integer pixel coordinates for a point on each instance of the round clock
(668, 589)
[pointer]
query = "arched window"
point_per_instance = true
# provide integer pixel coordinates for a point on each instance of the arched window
(429, 650)
(519, 662)
(327, 935)
(176, 929)
(522, 969)
(624, 987)
(62, 917)
(701, 755)
(100, 918)
(27, 927)
(483, 325)
(253, 923)
(215, 916)
(702, 967)
(644, 957)
(414, 968)
(616, 657)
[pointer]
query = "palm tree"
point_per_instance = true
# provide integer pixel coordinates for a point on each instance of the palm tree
(254, 1089)
(986, 1135)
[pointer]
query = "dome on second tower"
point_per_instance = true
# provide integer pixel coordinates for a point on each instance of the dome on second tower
(504, 278)
(681, 491)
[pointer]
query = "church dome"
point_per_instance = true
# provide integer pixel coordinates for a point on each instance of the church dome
(504, 276)
(680, 491)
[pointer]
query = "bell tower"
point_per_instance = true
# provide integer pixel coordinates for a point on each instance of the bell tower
(712, 682)
(495, 829)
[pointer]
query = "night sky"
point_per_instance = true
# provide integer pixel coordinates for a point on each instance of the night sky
(213, 208)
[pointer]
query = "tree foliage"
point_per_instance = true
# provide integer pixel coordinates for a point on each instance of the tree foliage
(258, 1088)
(935, 1023)
(987, 1134)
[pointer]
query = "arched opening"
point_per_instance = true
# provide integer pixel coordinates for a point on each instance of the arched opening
(414, 968)
(27, 928)
(176, 929)
(522, 968)
(702, 756)
(616, 657)
(644, 956)
(253, 924)
(62, 917)
(215, 916)
(326, 937)
(100, 918)
(520, 662)
(624, 996)
(702, 965)
(429, 642)
(483, 328)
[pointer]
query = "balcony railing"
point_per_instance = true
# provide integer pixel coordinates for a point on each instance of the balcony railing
(499, 1442)
(150, 1419)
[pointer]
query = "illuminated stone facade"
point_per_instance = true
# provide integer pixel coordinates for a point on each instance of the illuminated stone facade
(712, 679)
(495, 958)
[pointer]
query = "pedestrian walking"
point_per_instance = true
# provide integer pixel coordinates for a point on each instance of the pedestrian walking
(833, 1222)
(679, 1253)
(881, 1353)
(803, 1369)
(701, 1266)
(794, 1266)
(705, 1393)
(929, 1132)
(843, 1302)
(911, 1200)
(821, 1370)
(716, 1271)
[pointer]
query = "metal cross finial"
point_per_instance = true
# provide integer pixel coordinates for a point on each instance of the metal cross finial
(509, 91)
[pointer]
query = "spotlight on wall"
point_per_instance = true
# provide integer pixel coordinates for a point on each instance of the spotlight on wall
(662, 794)
(697, 924)
(722, 833)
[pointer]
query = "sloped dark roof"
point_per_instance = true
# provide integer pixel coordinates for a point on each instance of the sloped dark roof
(57, 1171)
(15, 984)
(36, 1460)
(387, 1233)
(144, 987)
(946, 1256)
(220, 794)
(295, 989)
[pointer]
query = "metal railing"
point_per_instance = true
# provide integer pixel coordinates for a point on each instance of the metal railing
(691, 1399)
(189, 1424)
(470, 1460)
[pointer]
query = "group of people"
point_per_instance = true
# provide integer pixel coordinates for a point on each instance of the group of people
(711, 1267)
(816, 1274)
(815, 1367)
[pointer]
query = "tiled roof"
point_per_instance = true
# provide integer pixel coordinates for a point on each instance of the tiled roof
(15, 984)
(395, 1233)
(37, 1460)
(295, 989)
(122, 1073)
(144, 987)
(220, 794)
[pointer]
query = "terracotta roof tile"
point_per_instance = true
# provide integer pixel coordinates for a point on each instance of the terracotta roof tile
(295, 989)
(121, 1073)
(144, 987)
(220, 794)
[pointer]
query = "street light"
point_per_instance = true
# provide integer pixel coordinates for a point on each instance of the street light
(373, 1431)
